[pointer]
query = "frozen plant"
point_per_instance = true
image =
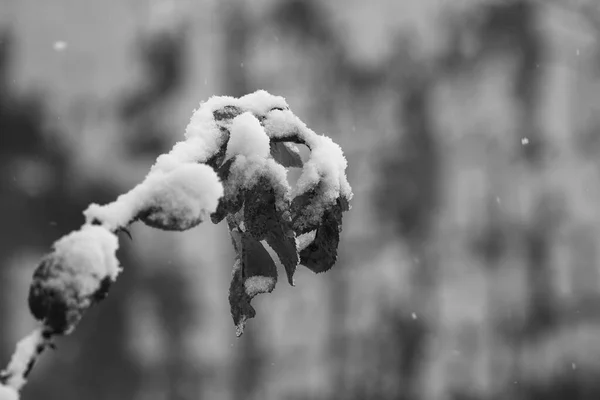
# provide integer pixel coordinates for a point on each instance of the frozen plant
(231, 165)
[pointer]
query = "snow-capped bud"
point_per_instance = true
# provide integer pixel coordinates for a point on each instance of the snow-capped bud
(73, 277)
(182, 198)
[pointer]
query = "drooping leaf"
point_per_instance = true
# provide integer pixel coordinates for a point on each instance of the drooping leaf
(230, 203)
(284, 244)
(304, 218)
(344, 203)
(308, 209)
(253, 273)
(264, 221)
(286, 154)
(321, 254)
(259, 209)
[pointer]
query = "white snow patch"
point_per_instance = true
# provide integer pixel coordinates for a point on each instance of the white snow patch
(26, 350)
(305, 240)
(259, 284)
(261, 102)
(248, 138)
(188, 194)
(284, 123)
(92, 252)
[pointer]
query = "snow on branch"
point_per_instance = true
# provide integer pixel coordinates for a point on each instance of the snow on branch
(231, 165)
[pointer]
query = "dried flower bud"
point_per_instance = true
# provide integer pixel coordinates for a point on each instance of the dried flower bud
(182, 198)
(73, 277)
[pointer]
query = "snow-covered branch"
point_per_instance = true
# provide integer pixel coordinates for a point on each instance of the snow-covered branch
(231, 165)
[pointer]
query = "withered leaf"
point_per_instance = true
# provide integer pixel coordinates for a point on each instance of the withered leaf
(264, 221)
(253, 273)
(286, 154)
(227, 112)
(303, 218)
(229, 203)
(321, 254)
(344, 203)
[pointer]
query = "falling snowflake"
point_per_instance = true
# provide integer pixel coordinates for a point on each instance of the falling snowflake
(524, 141)
(60, 45)
(414, 316)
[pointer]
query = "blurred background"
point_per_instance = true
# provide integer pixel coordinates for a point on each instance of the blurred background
(468, 266)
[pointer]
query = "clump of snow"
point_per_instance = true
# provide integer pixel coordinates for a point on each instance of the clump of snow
(203, 137)
(8, 393)
(261, 102)
(280, 124)
(90, 254)
(259, 284)
(26, 350)
(306, 239)
(247, 138)
(183, 198)
(326, 164)
(180, 198)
